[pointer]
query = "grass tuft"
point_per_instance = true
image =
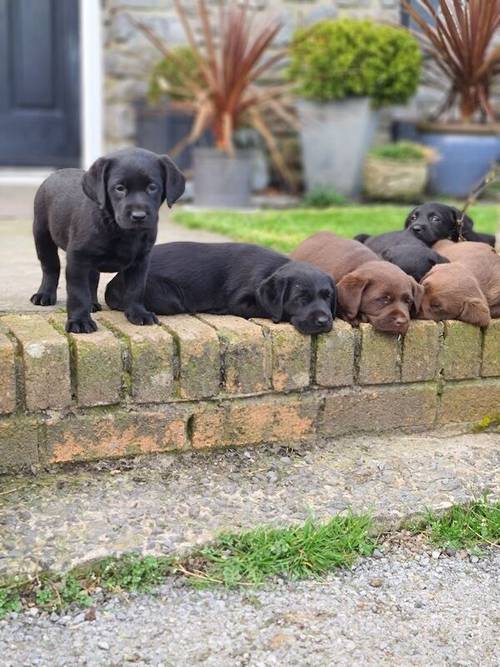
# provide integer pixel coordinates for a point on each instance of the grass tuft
(311, 549)
(464, 526)
(323, 197)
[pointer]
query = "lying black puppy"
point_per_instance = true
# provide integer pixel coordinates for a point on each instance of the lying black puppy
(106, 220)
(405, 250)
(234, 279)
(432, 222)
(415, 261)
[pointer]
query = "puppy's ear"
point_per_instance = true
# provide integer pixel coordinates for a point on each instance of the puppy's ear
(418, 292)
(271, 295)
(94, 181)
(333, 300)
(174, 180)
(349, 293)
(439, 259)
(475, 311)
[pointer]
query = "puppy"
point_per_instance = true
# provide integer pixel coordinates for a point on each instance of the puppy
(432, 222)
(106, 220)
(368, 289)
(451, 292)
(482, 262)
(414, 260)
(234, 279)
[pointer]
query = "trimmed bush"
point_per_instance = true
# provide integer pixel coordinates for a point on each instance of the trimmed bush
(340, 58)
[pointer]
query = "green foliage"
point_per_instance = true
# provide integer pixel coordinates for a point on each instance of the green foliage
(132, 572)
(323, 197)
(340, 58)
(464, 526)
(486, 423)
(283, 230)
(57, 595)
(310, 549)
(9, 602)
(402, 151)
(171, 76)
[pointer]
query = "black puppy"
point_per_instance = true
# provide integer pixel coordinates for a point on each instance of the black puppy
(432, 222)
(234, 279)
(105, 219)
(413, 260)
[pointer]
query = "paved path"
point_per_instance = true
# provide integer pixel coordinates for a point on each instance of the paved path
(169, 504)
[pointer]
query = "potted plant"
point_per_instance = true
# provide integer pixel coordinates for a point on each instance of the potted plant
(217, 82)
(457, 39)
(345, 70)
(397, 171)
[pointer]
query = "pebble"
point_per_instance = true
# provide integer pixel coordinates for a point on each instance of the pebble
(376, 583)
(450, 551)
(104, 646)
(79, 618)
(377, 553)
(474, 559)
(435, 554)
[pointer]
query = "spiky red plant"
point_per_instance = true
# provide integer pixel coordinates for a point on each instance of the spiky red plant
(459, 44)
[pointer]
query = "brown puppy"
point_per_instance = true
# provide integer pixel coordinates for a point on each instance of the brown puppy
(453, 293)
(482, 261)
(368, 289)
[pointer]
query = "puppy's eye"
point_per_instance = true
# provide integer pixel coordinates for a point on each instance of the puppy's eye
(407, 298)
(152, 187)
(435, 218)
(121, 189)
(435, 305)
(384, 299)
(413, 217)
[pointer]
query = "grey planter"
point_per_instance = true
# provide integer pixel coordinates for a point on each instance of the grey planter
(221, 181)
(335, 138)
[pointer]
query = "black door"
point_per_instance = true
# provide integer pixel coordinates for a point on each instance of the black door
(39, 83)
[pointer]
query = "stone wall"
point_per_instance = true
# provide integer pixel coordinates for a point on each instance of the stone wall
(212, 381)
(129, 56)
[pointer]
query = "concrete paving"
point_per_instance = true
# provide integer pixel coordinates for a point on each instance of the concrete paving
(20, 272)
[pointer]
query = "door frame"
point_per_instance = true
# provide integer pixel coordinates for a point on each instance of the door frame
(91, 81)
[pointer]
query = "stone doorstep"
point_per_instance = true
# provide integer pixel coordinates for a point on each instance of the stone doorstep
(208, 381)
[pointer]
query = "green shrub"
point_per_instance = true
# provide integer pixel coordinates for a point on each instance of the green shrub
(402, 151)
(323, 197)
(170, 74)
(340, 58)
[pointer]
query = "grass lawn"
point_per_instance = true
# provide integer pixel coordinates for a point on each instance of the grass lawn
(284, 229)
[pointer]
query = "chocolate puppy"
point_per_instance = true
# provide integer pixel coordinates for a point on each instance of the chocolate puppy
(105, 219)
(369, 289)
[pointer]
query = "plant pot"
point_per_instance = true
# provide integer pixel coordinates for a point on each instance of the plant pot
(466, 154)
(335, 138)
(394, 180)
(222, 181)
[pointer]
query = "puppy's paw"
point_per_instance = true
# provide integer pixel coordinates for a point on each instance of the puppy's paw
(83, 325)
(44, 298)
(96, 307)
(141, 316)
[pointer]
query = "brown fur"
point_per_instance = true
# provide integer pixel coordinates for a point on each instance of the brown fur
(484, 264)
(453, 293)
(368, 289)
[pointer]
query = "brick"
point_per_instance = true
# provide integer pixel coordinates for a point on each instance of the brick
(151, 356)
(244, 354)
(290, 355)
(97, 365)
(102, 435)
(380, 409)
(491, 350)
(335, 356)
(45, 355)
(469, 401)
(378, 360)
(461, 354)
(18, 443)
(199, 355)
(266, 419)
(421, 346)
(7, 375)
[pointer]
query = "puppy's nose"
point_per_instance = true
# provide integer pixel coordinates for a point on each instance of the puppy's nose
(138, 216)
(400, 321)
(417, 228)
(322, 320)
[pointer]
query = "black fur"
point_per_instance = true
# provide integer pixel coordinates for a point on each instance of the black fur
(413, 260)
(106, 220)
(432, 222)
(234, 279)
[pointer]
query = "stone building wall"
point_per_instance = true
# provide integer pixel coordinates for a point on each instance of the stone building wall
(129, 56)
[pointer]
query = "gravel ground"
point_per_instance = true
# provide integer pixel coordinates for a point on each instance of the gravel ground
(404, 608)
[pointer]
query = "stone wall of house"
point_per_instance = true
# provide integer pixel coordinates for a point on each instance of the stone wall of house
(129, 56)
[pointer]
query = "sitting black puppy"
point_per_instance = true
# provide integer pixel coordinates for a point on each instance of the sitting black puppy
(105, 219)
(415, 261)
(234, 279)
(433, 222)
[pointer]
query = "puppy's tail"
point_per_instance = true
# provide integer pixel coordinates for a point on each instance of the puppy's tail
(362, 238)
